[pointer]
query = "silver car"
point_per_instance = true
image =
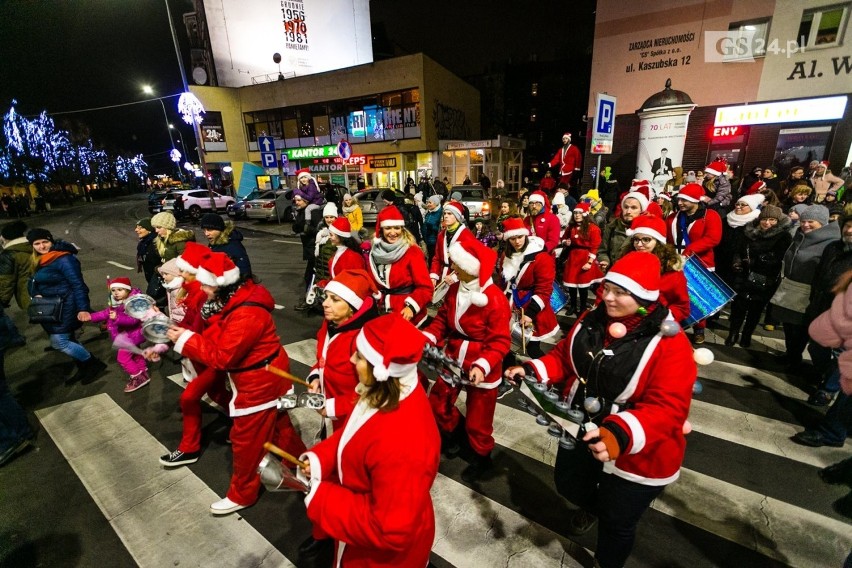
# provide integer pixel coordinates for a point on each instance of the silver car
(476, 201)
(266, 204)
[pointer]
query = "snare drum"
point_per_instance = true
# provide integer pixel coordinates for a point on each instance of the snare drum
(140, 306)
(558, 298)
(156, 328)
(707, 292)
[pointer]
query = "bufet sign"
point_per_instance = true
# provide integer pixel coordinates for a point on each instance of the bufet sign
(604, 125)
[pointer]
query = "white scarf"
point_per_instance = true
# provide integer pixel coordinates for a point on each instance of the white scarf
(735, 221)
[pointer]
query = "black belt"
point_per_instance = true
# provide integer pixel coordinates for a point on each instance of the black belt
(399, 290)
(254, 366)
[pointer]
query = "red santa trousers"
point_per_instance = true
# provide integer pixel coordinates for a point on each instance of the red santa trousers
(479, 422)
(207, 382)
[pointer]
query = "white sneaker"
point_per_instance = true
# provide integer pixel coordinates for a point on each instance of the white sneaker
(225, 507)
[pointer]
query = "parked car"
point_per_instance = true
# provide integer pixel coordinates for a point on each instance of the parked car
(371, 203)
(155, 201)
(265, 203)
(197, 201)
(476, 201)
(237, 210)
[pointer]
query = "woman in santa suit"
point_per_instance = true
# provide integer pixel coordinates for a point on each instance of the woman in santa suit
(398, 268)
(528, 271)
(629, 368)
(370, 482)
(348, 254)
(239, 338)
(582, 239)
(648, 234)
(472, 326)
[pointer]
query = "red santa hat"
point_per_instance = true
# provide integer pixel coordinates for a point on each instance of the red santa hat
(392, 345)
(823, 164)
(568, 134)
(638, 273)
(583, 208)
(390, 216)
(691, 192)
(637, 183)
(756, 187)
(341, 227)
(455, 208)
(477, 260)
(538, 197)
(664, 195)
(192, 257)
(353, 286)
(218, 270)
(119, 282)
(514, 227)
(304, 172)
(650, 225)
(716, 168)
(642, 198)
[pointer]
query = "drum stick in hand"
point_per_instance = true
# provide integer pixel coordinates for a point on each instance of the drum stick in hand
(270, 447)
(286, 375)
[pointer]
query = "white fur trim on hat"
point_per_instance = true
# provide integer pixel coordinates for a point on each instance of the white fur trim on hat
(229, 277)
(345, 293)
(647, 231)
(464, 259)
(393, 223)
(380, 372)
(640, 197)
(536, 198)
(339, 233)
(516, 233)
(185, 266)
(119, 285)
(631, 285)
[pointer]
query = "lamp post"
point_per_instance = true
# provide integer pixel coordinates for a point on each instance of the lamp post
(148, 90)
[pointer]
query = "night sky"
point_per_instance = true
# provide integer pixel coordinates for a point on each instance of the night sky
(63, 55)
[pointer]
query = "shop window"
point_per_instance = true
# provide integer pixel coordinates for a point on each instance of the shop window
(747, 40)
(321, 131)
(213, 132)
(337, 126)
(306, 132)
(411, 96)
(291, 133)
(394, 129)
(391, 99)
(411, 120)
(823, 27)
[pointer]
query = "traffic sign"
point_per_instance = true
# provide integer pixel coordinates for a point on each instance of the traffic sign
(266, 145)
(604, 125)
(284, 160)
(344, 150)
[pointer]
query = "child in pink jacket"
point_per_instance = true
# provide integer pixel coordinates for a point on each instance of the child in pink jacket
(833, 328)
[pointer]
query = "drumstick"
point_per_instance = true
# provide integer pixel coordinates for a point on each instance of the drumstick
(286, 375)
(523, 334)
(270, 447)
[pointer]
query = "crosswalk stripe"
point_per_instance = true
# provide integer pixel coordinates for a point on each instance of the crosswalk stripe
(119, 265)
(743, 376)
(157, 512)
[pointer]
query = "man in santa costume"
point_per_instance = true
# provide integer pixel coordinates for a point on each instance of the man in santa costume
(370, 482)
(695, 229)
(453, 231)
(472, 325)
(541, 222)
(239, 338)
(528, 272)
(570, 162)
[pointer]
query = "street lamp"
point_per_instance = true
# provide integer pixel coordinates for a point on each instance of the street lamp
(148, 90)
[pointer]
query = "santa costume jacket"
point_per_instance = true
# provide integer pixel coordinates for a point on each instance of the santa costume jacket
(441, 259)
(477, 336)
(568, 158)
(370, 483)
(703, 233)
(545, 226)
(650, 409)
(528, 276)
(344, 259)
(406, 282)
(335, 371)
(674, 293)
(582, 250)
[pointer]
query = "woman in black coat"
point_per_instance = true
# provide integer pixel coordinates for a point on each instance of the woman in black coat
(57, 273)
(757, 270)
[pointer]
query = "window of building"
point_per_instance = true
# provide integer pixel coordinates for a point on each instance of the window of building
(747, 40)
(533, 115)
(534, 89)
(823, 27)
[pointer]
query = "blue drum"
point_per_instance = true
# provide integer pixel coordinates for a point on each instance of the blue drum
(707, 292)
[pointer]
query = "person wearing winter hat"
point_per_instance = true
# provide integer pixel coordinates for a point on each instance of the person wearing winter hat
(398, 268)
(614, 235)
(793, 213)
(15, 264)
(746, 210)
(57, 274)
(823, 180)
(308, 189)
(173, 283)
(120, 323)
(240, 339)
(347, 254)
(392, 418)
(352, 210)
(695, 229)
(527, 272)
(648, 234)
(432, 225)
(756, 271)
(471, 325)
(223, 236)
(801, 261)
(636, 398)
(582, 239)
(147, 257)
(170, 240)
(454, 230)
(541, 222)
(716, 186)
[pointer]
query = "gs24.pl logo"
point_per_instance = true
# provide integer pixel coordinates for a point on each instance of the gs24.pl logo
(742, 46)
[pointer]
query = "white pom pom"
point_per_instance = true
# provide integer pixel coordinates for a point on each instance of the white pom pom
(479, 299)
(703, 356)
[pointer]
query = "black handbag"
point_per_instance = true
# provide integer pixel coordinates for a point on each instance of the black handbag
(45, 310)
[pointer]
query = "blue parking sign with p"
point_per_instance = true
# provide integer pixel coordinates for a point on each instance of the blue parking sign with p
(268, 159)
(606, 116)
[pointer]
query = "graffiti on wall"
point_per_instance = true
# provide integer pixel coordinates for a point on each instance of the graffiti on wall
(450, 123)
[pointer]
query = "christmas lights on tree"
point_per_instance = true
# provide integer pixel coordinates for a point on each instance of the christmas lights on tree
(190, 109)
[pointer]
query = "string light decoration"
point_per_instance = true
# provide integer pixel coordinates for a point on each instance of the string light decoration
(175, 155)
(190, 109)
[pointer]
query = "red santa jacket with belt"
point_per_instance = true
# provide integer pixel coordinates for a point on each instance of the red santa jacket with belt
(545, 225)
(703, 234)
(344, 259)
(568, 159)
(408, 272)
(651, 409)
(239, 337)
(370, 484)
(477, 336)
(441, 259)
(530, 276)
(334, 369)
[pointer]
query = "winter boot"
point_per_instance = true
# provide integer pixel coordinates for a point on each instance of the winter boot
(90, 369)
(137, 381)
(479, 465)
(838, 474)
(451, 442)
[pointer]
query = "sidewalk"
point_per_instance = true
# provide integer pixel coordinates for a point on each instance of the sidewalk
(269, 227)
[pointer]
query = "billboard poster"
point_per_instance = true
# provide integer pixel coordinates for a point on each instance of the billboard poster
(312, 36)
(662, 137)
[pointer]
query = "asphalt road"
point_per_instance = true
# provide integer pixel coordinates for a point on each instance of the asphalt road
(748, 497)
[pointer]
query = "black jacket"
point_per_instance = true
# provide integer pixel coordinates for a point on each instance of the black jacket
(230, 241)
(761, 252)
(306, 227)
(836, 259)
